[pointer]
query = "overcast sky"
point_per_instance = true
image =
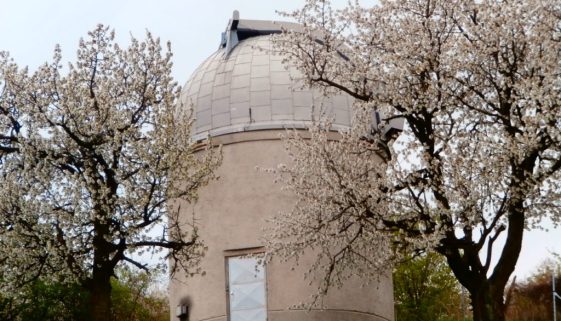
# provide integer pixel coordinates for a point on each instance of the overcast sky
(29, 30)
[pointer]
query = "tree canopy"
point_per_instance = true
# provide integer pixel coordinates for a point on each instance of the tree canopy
(93, 155)
(532, 298)
(135, 296)
(425, 289)
(477, 83)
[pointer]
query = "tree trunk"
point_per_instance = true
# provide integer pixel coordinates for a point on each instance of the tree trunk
(488, 304)
(102, 270)
(100, 297)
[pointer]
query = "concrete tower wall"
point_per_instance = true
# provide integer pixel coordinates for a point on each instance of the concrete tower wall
(232, 213)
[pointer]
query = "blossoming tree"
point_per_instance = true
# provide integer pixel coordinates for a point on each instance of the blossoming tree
(478, 85)
(93, 156)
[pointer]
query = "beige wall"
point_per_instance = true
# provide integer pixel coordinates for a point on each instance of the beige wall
(231, 214)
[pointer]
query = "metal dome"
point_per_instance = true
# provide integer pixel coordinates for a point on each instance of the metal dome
(244, 86)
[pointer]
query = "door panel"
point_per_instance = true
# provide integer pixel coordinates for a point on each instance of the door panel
(247, 294)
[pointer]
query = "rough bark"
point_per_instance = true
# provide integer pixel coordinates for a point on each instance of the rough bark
(487, 291)
(100, 297)
(488, 304)
(99, 286)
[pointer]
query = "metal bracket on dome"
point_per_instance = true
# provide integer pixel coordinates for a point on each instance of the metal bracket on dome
(390, 130)
(230, 36)
(393, 128)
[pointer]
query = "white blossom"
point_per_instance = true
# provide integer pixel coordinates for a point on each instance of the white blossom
(93, 155)
(478, 84)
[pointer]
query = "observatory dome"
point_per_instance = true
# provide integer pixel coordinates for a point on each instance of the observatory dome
(245, 86)
(243, 95)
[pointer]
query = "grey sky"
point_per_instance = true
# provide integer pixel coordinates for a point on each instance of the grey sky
(29, 30)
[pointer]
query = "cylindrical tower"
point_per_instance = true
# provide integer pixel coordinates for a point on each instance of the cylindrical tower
(243, 96)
